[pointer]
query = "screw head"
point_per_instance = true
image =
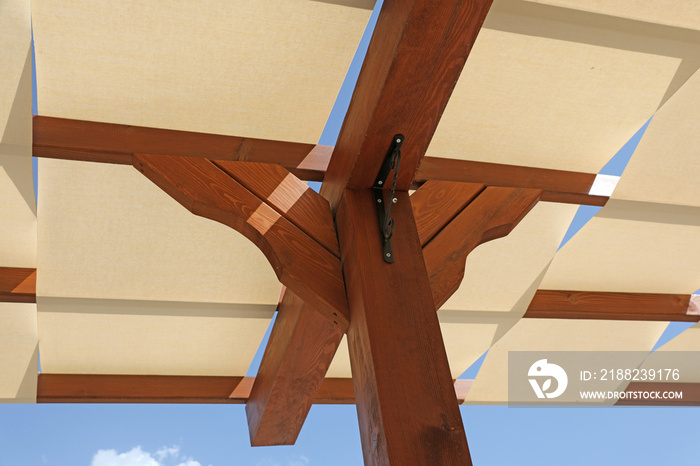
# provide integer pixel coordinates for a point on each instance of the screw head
(380, 182)
(398, 140)
(388, 254)
(394, 200)
(379, 201)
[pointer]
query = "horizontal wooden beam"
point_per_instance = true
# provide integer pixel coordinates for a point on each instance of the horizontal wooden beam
(92, 388)
(300, 263)
(557, 304)
(557, 185)
(113, 143)
(61, 138)
(178, 389)
(17, 285)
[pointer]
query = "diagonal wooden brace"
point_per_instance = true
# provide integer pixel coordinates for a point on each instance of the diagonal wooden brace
(493, 214)
(301, 264)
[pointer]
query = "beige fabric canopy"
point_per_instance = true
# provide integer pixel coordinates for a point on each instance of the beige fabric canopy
(129, 282)
(559, 88)
(18, 328)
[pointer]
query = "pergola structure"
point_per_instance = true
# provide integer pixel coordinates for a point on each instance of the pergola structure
(363, 260)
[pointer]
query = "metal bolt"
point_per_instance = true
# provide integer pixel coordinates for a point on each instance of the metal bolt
(388, 254)
(394, 200)
(379, 201)
(398, 140)
(380, 182)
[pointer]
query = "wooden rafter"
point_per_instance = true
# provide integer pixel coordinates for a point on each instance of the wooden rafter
(557, 185)
(301, 264)
(557, 304)
(17, 285)
(92, 388)
(111, 143)
(97, 388)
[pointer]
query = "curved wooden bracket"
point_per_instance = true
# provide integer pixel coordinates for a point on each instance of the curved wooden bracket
(492, 214)
(300, 263)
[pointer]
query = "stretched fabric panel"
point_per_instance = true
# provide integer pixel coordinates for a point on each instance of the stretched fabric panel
(117, 255)
(665, 165)
(19, 363)
(106, 336)
(499, 272)
(557, 88)
(107, 232)
(683, 13)
(631, 247)
(17, 204)
(491, 384)
(256, 68)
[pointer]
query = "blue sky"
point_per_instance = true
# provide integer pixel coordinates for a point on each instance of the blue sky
(217, 435)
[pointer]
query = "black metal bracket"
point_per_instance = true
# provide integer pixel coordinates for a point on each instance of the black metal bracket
(386, 224)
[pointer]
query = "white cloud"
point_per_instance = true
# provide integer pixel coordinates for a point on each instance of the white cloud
(135, 457)
(190, 462)
(165, 456)
(165, 452)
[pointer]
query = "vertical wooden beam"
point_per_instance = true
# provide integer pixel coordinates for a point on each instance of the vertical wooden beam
(413, 62)
(395, 341)
(300, 349)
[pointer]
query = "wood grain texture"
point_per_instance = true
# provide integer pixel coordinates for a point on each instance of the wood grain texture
(17, 285)
(297, 356)
(436, 203)
(558, 304)
(289, 196)
(90, 388)
(558, 185)
(493, 214)
(113, 143)
(300, 263)
(412, 64)
(395, 341)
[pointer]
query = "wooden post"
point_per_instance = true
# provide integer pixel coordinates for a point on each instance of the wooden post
(395, 341)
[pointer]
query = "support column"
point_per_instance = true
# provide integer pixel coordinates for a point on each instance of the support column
(405, 397)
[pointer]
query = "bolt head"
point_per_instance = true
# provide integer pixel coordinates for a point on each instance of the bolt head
(388, 254)
(379, 201)
(398, 140)
(380, 182)
(394, 200)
